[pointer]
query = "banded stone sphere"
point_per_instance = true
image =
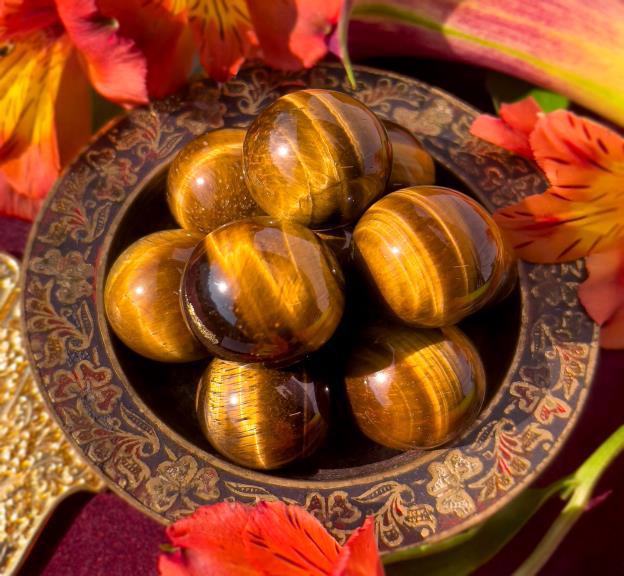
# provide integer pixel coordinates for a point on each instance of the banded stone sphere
(261, 417)
(433, 255)
(142, 297)
(205, 185)
(414, 388)
(411, 164)
(263, 290)
(317, 157)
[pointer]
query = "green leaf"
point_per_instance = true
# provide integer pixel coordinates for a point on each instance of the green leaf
(503, 88)
(343, 37)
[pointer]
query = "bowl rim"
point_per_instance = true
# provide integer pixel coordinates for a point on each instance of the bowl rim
(239, 472)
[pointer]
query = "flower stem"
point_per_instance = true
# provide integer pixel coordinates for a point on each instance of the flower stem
(578, 494)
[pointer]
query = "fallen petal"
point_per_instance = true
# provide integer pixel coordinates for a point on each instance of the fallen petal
(521, 116)
(495, 131)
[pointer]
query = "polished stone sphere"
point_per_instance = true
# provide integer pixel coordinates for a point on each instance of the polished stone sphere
(433, 255)
(318, 157)
(411, 164)
(261, 417)
(414, 388)
(142, 297)
(263, 290)
(205, 185)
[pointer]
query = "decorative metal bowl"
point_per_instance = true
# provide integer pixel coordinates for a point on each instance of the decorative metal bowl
(132, 419)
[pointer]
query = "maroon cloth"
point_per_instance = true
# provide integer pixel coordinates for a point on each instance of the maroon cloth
(102, 535)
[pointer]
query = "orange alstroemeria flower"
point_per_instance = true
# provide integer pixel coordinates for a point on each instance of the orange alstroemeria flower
(287, 34)
(581, 214)
(50, 50)
(271, 538)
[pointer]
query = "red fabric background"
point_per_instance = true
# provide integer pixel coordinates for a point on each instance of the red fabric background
(102, 535)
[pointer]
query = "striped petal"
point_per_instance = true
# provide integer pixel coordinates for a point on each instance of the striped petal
(602, 294)
(359, 556)
(116, 68)
(223, 33)
(34, 72)
(572, 47)
(19, 18)
(583, 210)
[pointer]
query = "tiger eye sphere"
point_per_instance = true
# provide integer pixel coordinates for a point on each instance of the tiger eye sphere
(411, 164)
(205, 186)
(262, 417)
(433, 254)
(263, 290)
(142, 297)
(318, 157)
(414, 388)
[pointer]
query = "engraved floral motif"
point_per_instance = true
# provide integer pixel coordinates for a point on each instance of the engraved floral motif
(181, 479)
(397, 512)
(447, 483)
(72, 274)
(508, 450)
(335, 511)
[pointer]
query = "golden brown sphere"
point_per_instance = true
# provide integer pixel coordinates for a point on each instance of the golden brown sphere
(318, 157)
(205, 186)
(433, 254)
(414, 388)
(261, 417)
(263, 290)
(411, 164)
(142, 297)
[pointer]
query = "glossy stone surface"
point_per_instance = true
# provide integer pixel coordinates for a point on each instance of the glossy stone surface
(142, 297)
(340, 240)
(414, 388)
(205, 185)
(262, 417)
(434, 255)
(411, 164)
(318, 157)
(263, 290)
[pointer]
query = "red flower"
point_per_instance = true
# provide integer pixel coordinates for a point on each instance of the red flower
(231, 539)
(512, 130)
(581, 214)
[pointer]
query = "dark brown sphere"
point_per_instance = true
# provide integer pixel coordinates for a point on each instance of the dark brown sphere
(142, 297)
(261, 417)
(412, 388)
(411, 164)
(318, 157)
(205, 186)
(263, 290)
(434, 255)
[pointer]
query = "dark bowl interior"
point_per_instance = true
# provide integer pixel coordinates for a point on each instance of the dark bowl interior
(169, 389)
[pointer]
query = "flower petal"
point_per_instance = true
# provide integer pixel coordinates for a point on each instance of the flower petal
(173, 565)
(557, 45)
(521, 116)
(30, 79)
(583, 211)
(163, 38)
(211, 540)
(19, 18)
(495, 131)
(285, 539)
(602, 294)
(223, 32)
(360, 556)
(115, 66)
(293, 33)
